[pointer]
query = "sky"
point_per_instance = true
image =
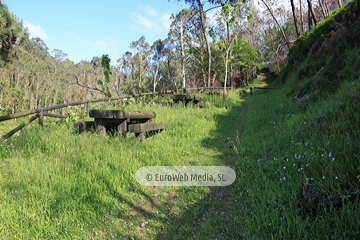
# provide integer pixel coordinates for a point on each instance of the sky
(84, 29)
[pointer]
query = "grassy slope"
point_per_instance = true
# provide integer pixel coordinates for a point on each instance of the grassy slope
(59, 185)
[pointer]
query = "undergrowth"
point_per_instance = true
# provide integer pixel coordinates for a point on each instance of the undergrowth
(57, 184)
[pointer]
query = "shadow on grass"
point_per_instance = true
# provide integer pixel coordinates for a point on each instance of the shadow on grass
(218, 214)
(211, 212)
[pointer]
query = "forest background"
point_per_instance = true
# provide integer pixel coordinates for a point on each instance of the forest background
(230, 50)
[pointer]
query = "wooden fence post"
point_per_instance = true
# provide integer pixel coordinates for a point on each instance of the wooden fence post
(88, 107)
(41, 118)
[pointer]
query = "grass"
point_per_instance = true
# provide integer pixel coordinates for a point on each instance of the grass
(57, 184)
(61, 185)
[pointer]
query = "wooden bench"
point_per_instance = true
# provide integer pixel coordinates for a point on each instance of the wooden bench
(189, 100)
(144, 129)
(121, 121)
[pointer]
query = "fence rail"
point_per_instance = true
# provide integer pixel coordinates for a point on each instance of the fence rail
(41, 112)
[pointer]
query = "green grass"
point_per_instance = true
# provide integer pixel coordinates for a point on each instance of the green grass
(56, 184)
(60, 185)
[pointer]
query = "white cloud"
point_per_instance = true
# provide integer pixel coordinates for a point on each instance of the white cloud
(99, 44)
(36, 31)
(145, 22)
(149, 10)
(74, 35)
(88, 42)
(166, 21)
(151, 19)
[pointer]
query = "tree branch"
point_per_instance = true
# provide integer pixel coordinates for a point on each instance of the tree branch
(90, 88)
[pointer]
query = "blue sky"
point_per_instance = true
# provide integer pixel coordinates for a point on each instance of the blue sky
(84, 29)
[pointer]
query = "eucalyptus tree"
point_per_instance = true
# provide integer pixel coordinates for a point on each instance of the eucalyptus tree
(181, 38)
(197, 59)
(158, 53)
(222, 36)
(59, 55)
(295, 19)
(125, 65)
(276, 21)
(141, 60)
(203, 25)
(312, 13)
(226, 33)
(36, 47)
(197, 4)
(90, 76)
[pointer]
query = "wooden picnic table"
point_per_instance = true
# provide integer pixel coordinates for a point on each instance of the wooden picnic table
(138, 122)
(187, 99)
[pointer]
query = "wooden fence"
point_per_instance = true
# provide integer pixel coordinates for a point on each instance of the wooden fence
(252, 89)
(41, 112)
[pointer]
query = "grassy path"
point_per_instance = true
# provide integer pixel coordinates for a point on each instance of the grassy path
(60, 185)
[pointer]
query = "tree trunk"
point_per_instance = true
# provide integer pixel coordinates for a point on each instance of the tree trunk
(231, 76)
(182, 57)
(340, 3)
(155, 78)
(322, 8)
(295, 20)
(312, 12)
(309, 20)
(226, 68)
(203, 27)
(301, 18)
(228, 53)
(326, 8)
(277, 23)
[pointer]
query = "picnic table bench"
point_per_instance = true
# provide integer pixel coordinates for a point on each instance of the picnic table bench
(122, 121)
(189, 100)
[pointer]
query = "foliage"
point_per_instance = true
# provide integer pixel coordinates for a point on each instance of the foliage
(246, 58)
(105, 63)
(12, 33)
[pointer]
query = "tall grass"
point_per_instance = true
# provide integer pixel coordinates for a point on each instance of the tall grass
(61, 185)
(58, 184)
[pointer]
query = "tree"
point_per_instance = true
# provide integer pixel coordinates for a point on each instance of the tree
(105, 63)
(198, 5)
(141, 62)
(180, 35)
(125, 66)
(301, 17)
(12, 33)
(203, 25)
(294, 16)
(158, 49)
(226, 35)
(277, 22)
(245, 58)
(36, 47)
(59, 55)
(312, 12)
